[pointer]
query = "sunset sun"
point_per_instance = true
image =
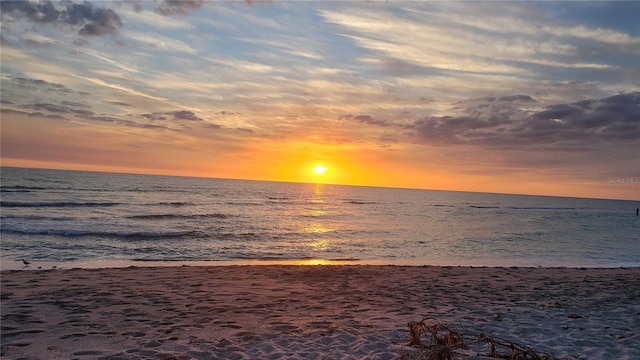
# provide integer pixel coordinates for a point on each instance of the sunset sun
(319, 169)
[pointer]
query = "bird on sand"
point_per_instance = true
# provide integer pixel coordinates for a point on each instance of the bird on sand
(25, 262)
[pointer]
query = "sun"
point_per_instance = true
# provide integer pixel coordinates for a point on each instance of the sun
(319, 169)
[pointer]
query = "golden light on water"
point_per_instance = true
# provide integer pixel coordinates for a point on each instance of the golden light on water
(316, 262)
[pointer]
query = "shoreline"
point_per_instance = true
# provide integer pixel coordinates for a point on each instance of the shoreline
(9, 265)
(298, 312)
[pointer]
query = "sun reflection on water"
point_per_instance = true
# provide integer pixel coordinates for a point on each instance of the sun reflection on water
(316, 228)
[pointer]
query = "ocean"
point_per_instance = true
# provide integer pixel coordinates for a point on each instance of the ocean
(56, 218)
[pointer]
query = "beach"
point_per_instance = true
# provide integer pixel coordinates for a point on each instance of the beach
(312, 312)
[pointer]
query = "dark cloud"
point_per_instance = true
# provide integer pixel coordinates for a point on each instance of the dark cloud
(218, 127)
(177, 115)
(178, 7)
(444, 130)
(367, 119)
(118, 103)
(41, 85)
(75, 104)
(97, 22)
(91, 21)
(62, 91)
(109, 119)
(32, 83)
(523, 98)
(56, 116)
(79, 42)
(125, 122)
(185, 115)
(154, 116)
(561, 126)
(153, 126)
(32, 114)
(12, 111)
(50, 108)
(74, 109)
(66, 107)
(613, 118)
(80, 111)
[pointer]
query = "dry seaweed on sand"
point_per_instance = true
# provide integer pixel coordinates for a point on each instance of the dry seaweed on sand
(433, 340)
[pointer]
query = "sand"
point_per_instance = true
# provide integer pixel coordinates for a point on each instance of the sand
(311, 312)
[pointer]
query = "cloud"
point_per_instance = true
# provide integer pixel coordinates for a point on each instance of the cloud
(92, 21)
(573, 125)
(154, 116)
(613, 118)
(161, 42)
(50, 108)
(74, 104)
(82, 112)
(126, 122)
(176, 115)
(523, 98)
(449, 39)
(153, 19)
(36, 84)
(32, 114)
(118, 103)
(185, 115)
(367, 119)
(178, 7)
(66, 107)
(12, 111)
(109, 119)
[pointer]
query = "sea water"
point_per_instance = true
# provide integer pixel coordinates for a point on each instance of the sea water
(65, 218)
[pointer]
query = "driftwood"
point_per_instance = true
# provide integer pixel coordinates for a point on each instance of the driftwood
(433, 340)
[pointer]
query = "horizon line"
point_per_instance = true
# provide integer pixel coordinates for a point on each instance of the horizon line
(122, 172)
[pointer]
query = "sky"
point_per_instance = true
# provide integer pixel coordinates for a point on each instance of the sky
(511, 97)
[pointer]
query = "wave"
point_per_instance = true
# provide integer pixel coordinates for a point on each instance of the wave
(174, 203)
(231, 235)
(361, 202)
(278, 198)
(524, 207)
(57, 204)
(540, 208)
(114, 234)
(182, 259)
(273, 256)
(37, 217)
(20, 187)
(179, 216)
(244, 203)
